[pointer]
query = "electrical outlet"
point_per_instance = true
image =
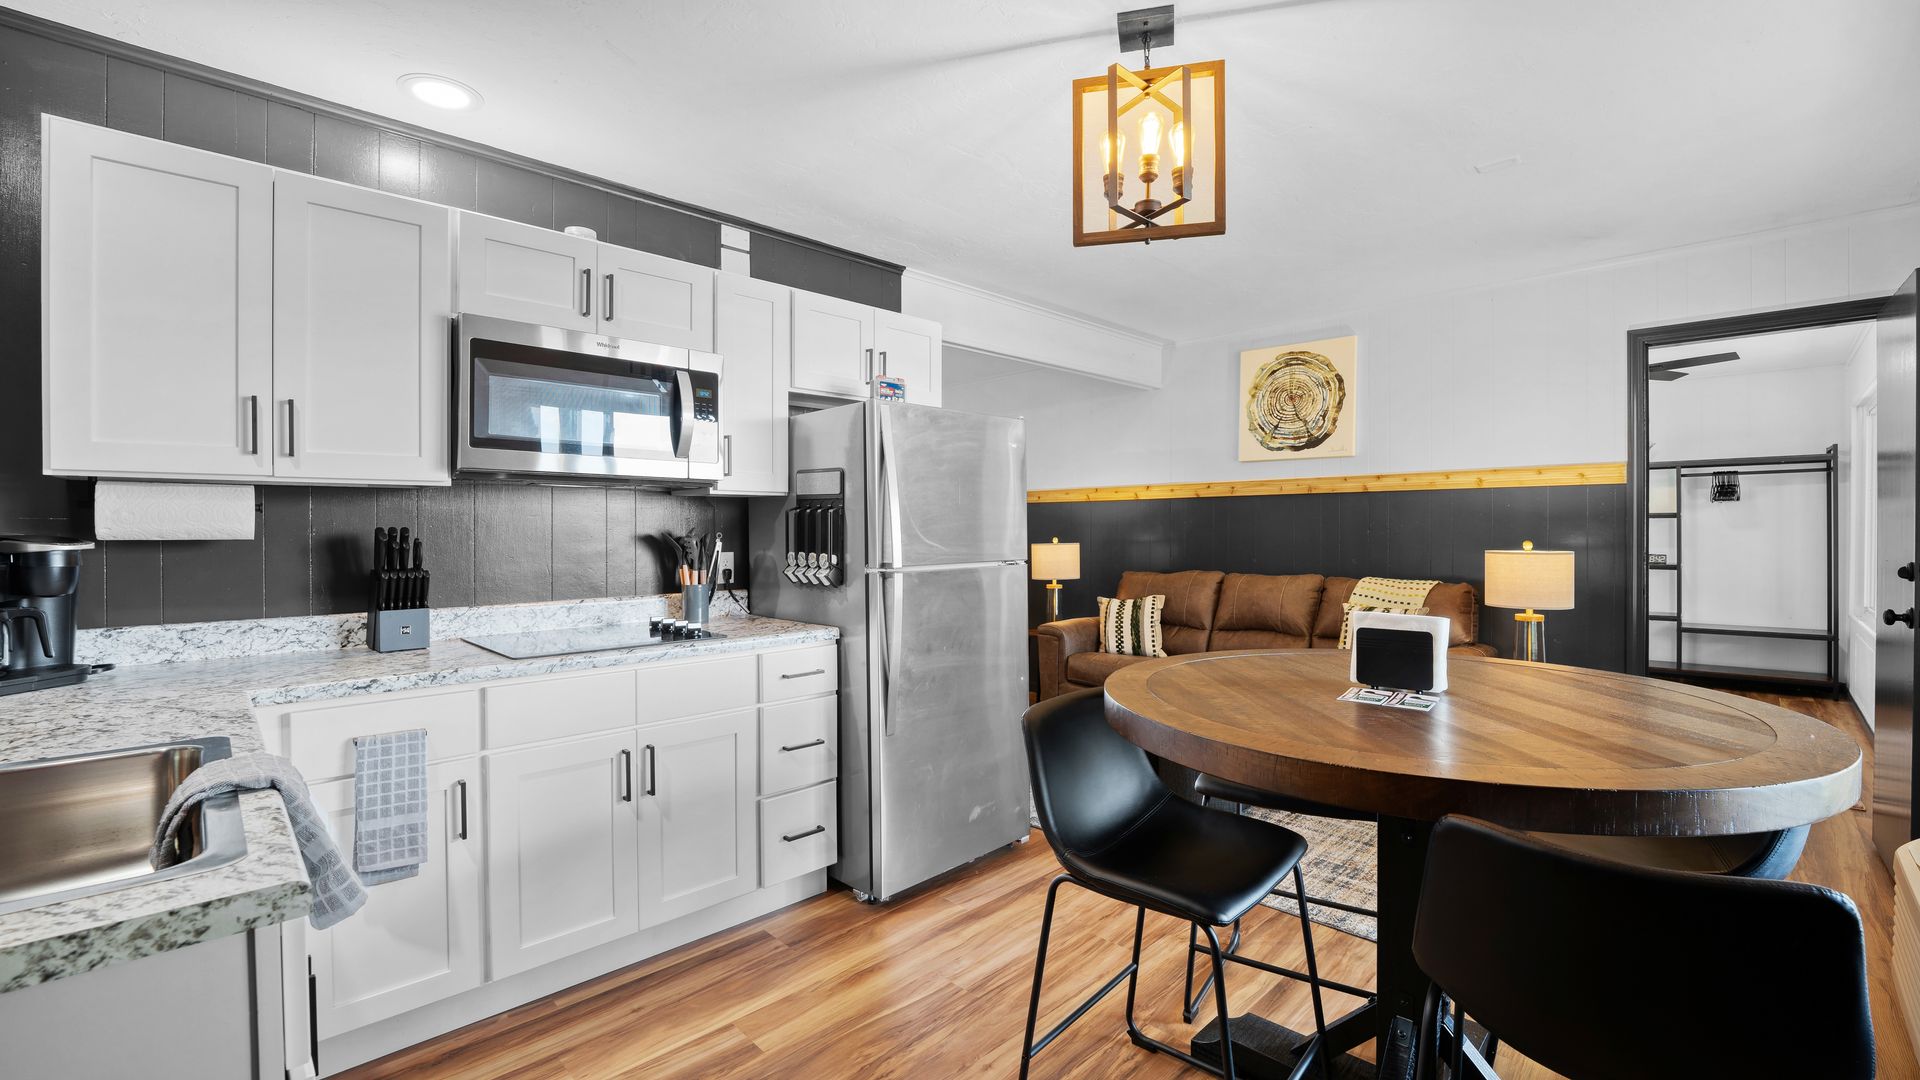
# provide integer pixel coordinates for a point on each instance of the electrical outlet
(726, 568)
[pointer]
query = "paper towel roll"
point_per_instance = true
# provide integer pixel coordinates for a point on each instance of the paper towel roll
(142, 511)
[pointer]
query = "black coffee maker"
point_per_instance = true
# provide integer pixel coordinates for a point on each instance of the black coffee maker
(38, 578)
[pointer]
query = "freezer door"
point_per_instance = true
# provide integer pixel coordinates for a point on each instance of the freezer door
(950, 684)
(952, 486)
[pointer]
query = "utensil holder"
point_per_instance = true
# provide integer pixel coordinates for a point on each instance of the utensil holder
(694, 600)
(398, 631)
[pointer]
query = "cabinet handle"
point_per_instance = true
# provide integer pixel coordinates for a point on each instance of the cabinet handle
(726, 455)
(626, 774)
(462, 785)
(791, 837)
(293, 447)
(803, 746)
(869, 371)
(652, 767)
(253, 424)
(803, 674)
(882, 370)
(606, 304)
(586, 292)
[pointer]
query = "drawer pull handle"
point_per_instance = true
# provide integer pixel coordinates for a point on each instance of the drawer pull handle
(803, 835)
(803, 746)
(462, 785)
(804, 674)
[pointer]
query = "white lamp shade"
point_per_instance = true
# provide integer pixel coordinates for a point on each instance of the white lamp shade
(1055, 562)
(1541, 580)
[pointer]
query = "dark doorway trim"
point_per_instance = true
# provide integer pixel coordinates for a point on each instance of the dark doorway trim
(1639, 344)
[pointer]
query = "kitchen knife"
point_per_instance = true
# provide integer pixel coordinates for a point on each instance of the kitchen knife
(418, 592)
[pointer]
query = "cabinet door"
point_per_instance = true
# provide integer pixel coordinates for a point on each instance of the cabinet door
(362, 309)
(562, 850)
(157, 279)
(832, 345)
(697, 831)
(418, 939)
(654, 298)
(753, 333)
(523, 272)
(908, 348)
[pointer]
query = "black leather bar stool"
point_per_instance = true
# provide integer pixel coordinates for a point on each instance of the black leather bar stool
(1596, 968)
(1120, 832)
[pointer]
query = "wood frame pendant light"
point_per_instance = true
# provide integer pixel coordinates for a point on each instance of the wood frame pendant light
(1190, 199)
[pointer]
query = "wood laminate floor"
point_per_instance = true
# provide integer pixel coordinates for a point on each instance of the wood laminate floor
(935, 985)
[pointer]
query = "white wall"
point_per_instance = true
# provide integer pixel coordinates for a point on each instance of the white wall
(1859, 612)
(1526, 373)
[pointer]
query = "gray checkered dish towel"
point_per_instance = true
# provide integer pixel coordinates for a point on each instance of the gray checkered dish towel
(389, 805)
(337, 893)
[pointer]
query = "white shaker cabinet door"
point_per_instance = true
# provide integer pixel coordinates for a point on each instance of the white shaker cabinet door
(697, 832)
(526, 273)
(363, 303)
(656, 299)
(753, 333)
(832, 345)
(418, 939)
(157, 286)
(909, 349)
(562, 850)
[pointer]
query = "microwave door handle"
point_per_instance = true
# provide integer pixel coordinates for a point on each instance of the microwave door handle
(683, 439)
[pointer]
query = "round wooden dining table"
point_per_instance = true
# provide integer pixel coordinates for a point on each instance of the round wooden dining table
(1527, 745)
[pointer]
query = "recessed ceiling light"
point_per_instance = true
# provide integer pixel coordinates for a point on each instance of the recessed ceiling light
(440, 91)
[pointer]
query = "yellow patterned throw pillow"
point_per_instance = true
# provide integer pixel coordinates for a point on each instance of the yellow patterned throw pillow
(1407, 597)
(1132, 627)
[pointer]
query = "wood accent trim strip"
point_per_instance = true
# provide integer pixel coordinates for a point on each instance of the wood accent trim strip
(1605, 472)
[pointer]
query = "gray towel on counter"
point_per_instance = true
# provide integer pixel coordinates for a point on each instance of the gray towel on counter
(389, 805)
(336, 891)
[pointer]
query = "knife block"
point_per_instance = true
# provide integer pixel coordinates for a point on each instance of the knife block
(398, 631)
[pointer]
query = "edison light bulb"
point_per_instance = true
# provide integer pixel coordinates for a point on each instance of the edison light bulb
(1150, 136)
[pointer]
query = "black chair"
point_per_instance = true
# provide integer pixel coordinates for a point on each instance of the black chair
(1599, 969)
(1120, 832)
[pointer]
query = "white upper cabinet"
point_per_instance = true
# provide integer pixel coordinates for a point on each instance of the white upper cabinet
(907, 348)
(157, 286)
(753, 333)
(654, 298)
(832, 345)
(698, 844)
(526, 273)
(363, 302)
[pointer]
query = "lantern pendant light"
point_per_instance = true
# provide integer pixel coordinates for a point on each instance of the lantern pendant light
(1124, 110)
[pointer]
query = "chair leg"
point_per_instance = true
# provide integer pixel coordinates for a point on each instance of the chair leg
(1133, 978)
(1220, 1000)
(1194, 997)
(1313, 972)
(1039, 969)
(1427, 1045)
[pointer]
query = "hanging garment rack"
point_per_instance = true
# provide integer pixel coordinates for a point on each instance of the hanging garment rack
(1783, 465)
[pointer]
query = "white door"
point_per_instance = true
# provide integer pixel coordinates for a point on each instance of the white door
(362, 310)
(908, 348)
(157, 293)
(832, 345)
(654, 298)
(418, 939)
(522, 272)
(697, 833)
(753, 333)
(562, 850)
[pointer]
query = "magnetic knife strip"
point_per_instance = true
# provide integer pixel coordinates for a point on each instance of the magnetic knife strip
(817, 530)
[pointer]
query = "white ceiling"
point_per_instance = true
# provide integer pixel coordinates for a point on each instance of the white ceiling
(935, 134)
(1821, 346)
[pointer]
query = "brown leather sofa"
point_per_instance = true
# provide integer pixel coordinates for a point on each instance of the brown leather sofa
(1208, 611)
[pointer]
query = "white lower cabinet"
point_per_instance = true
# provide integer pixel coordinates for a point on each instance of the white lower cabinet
(562, 850)
(799, 831)
(418, 939)
(696, 814)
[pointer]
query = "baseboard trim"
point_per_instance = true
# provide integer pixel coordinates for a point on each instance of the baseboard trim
(1606, 472)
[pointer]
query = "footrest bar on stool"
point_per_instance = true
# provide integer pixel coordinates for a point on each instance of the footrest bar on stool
(1315, 901)
(1297, 976)
(1081, 1011)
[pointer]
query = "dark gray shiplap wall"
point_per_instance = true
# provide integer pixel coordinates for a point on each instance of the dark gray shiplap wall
(491, 543)
(1409, 534)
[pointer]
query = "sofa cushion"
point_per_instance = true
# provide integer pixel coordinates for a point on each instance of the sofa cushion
(1092, 668)
(1191, 597)
(1455, 600)
(1266, 611)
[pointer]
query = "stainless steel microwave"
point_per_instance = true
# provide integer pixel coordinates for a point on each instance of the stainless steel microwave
(539, 401)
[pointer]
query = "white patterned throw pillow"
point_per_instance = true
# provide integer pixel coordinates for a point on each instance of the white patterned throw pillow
(1132, 627)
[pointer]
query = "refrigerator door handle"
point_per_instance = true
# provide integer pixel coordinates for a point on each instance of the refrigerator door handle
(889, 645)
(891, 540)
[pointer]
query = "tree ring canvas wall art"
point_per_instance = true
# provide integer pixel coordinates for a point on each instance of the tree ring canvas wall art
(1299, 401)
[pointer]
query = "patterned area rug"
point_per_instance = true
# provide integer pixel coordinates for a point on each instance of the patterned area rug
(1339, 866)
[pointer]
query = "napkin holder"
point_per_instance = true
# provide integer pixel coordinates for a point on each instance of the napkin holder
(1392, 651)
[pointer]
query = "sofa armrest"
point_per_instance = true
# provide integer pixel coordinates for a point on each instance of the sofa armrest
(1059, 640)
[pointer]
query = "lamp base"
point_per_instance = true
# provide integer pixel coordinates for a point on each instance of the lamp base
(1053, 601)
(1530, 636)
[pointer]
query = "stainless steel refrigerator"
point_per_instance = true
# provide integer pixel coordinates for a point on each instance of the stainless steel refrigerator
(932, 607)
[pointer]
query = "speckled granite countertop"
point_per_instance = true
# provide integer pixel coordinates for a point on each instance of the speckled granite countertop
(153, 703)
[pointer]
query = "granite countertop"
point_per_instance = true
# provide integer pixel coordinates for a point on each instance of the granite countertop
(153, 703)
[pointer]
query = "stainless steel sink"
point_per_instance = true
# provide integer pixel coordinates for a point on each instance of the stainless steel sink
(76, 826)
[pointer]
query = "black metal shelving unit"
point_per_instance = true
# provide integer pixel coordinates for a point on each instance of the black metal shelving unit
(1680, 667)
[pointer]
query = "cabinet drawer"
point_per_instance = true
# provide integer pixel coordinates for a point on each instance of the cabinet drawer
(799, 672)
(799, 744)
(319, 741)
(676, 690)
(558, 707)
(798, 833)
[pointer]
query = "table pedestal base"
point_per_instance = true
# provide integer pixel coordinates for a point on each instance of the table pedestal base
(1264, 1050)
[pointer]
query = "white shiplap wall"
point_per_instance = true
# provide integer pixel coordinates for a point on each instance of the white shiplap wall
(1526, 373)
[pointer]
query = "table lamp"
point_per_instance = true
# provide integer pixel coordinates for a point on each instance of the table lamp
(1535, 581)
(1054, 563)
